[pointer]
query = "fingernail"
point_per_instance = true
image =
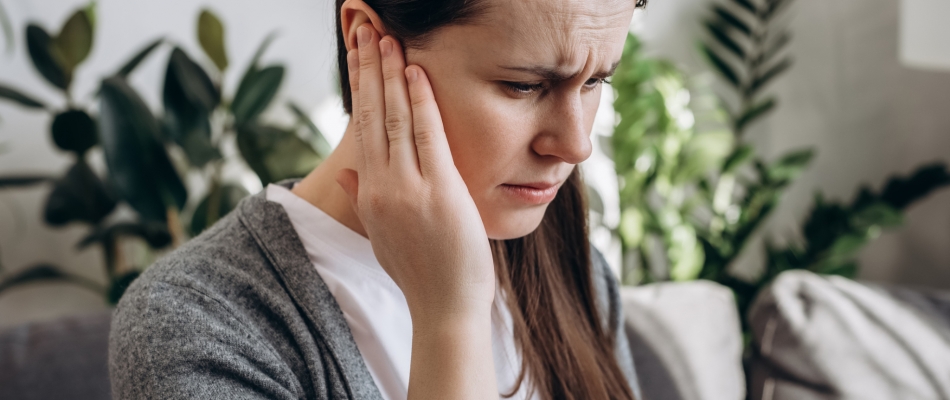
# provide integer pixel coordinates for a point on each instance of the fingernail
(353, 60)
(411, 75)
(362, 36)
(385, 47)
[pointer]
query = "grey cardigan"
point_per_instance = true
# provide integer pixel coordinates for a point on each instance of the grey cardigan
(240, 312)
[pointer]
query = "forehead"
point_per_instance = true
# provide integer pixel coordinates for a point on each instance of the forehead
(568, 33)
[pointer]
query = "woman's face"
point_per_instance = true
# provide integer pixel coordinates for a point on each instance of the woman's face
(518, 90)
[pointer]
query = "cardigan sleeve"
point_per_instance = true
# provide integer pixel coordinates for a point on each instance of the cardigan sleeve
(611, 306)
(174, 342)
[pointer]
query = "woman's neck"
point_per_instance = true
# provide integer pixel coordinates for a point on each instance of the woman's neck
(321, 189)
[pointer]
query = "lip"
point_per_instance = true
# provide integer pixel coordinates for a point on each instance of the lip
(534, 193)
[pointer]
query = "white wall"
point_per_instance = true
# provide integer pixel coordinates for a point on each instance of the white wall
(847, 95)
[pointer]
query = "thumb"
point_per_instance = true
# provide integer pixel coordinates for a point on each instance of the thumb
(349, 180)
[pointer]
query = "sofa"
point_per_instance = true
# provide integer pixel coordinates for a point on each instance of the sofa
(814, 338)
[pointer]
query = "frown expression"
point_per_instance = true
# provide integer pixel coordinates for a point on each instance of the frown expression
(518, 89)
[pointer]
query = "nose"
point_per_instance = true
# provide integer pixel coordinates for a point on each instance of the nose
(565, 130)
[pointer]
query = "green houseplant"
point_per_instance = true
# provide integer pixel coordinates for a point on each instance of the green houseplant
(694, 191)
(140, 148)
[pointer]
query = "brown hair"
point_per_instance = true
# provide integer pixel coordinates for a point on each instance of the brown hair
(566, 351)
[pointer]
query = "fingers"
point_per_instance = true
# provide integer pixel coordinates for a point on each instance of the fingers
(371, 105)
(431, 144)
(353, 67)
(398, 120)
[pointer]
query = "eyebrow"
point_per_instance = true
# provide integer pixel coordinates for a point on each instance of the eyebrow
(557, 75)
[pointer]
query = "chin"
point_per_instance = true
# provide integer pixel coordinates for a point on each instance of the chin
(513, 224)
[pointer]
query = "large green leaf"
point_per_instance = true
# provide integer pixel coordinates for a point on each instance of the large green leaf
(134, 62)
(45, 273)
(226, 198)
(211, 37)
(188, 88)
(40, 46)
(78, 196)
(275, 154)
(75, 131)
(74, 41)
(189, 97)
(12, 94)
(255, 93)
(138, 163)
(317, 140)
(152, 232)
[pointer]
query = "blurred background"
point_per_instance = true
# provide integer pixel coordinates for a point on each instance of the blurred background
(741, 139)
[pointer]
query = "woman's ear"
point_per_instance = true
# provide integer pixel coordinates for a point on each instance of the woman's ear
(354, 13)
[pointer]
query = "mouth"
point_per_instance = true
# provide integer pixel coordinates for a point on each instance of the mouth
(533, 193)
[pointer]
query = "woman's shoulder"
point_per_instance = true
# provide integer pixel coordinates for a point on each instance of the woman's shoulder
(211, 308)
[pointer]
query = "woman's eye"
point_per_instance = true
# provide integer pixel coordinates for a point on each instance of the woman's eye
(593, 82)
(521, 88)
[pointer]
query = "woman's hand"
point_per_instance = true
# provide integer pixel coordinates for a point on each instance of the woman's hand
(421, 220)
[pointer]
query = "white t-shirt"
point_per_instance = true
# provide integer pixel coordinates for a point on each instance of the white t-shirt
(374, 307)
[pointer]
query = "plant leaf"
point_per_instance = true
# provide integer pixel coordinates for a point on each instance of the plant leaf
(774, 48)
(255, 93)
(739, 156)
(119, 285)
(227, 197)
(138, 163)
(728, 17)
(189, 97)
(152, 232)
(211, 37)
(10, 93)
(78, 196)
(721, 66)
(39, 44)
(790, 166)
(760, 81)
(74, 41)
(138, 57)
(75, 131)
(748, 6)
(901, 192)
(275, 154)
(753, 113)
(19, 181)
(43, 273)
(725, 40)
(317, 140)
(188, 89)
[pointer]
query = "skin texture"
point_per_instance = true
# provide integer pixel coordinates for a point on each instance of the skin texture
(509, 99)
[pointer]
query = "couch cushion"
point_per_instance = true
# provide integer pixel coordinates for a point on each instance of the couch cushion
(61, 359)
(829, 337)
(686, 341)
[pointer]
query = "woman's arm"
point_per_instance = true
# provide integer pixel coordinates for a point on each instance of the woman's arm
(422, 222)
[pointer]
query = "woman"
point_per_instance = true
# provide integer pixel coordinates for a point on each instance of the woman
(445, 236)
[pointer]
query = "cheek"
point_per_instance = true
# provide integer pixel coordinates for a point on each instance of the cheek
(487, 139)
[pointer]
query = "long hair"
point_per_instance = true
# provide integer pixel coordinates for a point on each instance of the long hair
(546, 276)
